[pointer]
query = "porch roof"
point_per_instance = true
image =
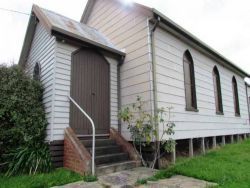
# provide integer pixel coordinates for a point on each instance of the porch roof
(58, 24)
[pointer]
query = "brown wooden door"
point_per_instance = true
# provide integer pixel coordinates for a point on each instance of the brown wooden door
(90, 88)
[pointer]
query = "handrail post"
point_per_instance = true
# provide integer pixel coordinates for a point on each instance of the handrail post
(93, 149)
(93, 133)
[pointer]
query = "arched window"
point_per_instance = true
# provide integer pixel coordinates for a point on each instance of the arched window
(189, 82)
(217, 91)
(236, 97)
(37, 72)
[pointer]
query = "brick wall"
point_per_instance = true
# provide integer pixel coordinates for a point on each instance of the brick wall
(76, 156)
(126, 146)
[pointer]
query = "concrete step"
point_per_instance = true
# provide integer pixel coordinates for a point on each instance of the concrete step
(110, 149)
(89, 137)
(114, 167)
(98, 142)
(110, 158)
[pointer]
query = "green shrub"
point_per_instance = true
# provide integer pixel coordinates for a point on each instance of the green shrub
(22, 116)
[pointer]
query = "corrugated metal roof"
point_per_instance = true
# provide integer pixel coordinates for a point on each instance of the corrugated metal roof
(77, 29)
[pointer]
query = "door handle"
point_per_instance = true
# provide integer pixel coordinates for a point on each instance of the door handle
(93, 93)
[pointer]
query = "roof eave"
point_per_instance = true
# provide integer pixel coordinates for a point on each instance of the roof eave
(195, 40)
(42, 18)
(35, 14)
(27, 40)
(87, 11)
(75, 36)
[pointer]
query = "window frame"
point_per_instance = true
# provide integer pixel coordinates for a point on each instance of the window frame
(217, 91)
(235, 97)
(187, 58)
(37, 71)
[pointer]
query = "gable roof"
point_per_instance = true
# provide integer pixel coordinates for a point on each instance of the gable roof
(174, 27)
(54, 22)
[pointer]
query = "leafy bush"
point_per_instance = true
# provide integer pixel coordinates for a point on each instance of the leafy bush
(22, 117)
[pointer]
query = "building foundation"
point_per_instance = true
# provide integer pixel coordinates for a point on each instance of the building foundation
(173, 155)
(203, 148)
(223, 139)
(232, 138)
(214, 142)
(191, 148)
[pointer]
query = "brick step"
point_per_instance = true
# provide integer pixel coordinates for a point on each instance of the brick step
(105, 150)
(98, 142)
(115, 167)
(109, 158)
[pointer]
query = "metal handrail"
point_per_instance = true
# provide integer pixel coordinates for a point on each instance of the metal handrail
(93, 133)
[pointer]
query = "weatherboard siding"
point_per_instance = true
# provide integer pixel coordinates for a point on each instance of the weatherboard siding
(43, 51)
(171, 92)
(62, 89)
(127, 29)
(248, 96)
(248, 91)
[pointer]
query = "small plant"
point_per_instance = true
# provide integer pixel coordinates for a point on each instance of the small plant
(29, 160)
(144, 129)
(141, 182)
(89, 178)
(162, 174)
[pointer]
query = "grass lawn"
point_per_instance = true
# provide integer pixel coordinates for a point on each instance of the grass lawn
(228, 166)
(58, 177)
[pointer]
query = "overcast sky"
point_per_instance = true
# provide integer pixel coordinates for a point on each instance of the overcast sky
(222, 24)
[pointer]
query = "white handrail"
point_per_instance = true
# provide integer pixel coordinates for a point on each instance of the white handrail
(93, 133)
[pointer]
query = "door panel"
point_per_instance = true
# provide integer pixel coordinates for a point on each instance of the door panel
(90, 88)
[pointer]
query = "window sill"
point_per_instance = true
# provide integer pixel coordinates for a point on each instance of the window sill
(192, 109)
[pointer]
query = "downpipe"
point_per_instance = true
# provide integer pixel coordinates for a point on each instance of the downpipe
(152, 45)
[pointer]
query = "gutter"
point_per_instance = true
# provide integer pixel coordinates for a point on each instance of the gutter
(152, 46)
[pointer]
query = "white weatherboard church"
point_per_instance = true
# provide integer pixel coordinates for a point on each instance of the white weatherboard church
(116, 53)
